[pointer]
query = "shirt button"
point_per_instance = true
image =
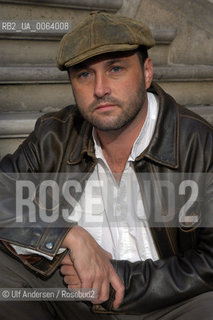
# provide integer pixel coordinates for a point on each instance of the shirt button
(49, 245)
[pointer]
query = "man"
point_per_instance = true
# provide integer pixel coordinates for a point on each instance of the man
(124, 126)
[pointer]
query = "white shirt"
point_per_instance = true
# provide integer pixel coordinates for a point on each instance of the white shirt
(114, 214)
(120, 225)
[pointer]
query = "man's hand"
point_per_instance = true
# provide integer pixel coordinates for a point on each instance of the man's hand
(89, 266)
(71, 277)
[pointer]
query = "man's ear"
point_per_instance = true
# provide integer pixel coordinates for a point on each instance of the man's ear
(148, 72)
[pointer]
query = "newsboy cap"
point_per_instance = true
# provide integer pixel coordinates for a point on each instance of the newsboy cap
(100, 33)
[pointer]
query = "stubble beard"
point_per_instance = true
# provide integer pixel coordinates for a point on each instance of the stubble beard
(104, 123)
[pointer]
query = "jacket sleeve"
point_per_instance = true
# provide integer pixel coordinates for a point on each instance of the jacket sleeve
(150, 285)
(35, 233)
(153, 285)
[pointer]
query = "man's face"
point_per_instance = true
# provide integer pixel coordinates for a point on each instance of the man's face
(110, 90)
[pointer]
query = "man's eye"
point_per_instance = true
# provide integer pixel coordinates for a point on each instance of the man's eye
(116, 69)
(84, 74)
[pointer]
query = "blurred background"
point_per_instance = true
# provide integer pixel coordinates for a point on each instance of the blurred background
(30, 83)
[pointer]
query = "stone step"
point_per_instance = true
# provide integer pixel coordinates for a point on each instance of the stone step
(20, 124)
(184, 73)
(162, 36)
(46, 88)
(190, 92)
(188, 84)
(16, 126)
(40, 48)
(35, 97)
(109, 5)
(51, 74)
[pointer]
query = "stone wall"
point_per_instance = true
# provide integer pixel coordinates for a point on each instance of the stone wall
(186, 70)
(31, 85)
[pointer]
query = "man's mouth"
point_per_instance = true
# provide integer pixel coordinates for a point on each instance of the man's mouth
(105, 107)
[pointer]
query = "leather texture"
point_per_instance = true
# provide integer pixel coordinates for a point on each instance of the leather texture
(182, 143)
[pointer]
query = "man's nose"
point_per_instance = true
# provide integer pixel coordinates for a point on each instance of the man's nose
(102, 86)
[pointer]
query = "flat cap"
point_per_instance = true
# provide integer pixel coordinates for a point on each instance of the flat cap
(100, 33)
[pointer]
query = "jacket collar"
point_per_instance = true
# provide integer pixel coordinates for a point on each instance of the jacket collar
(163, 147)
(83, 142)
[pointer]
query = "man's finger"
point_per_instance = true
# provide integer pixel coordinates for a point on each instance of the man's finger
(66, 260)
(73, 282)
(103, 293)
(68, 270)
(119, 289)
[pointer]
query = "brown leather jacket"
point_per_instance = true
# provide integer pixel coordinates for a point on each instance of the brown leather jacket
(182, 142)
